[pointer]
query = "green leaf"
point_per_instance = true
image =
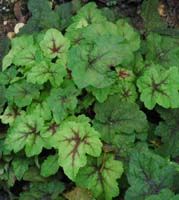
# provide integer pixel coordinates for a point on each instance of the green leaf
(159, 87)
(123, 144)
(131, 36)
(100, 94)
(74, 140)
(114, 116)
(22, 93)
(18, 44)
(91, 64)
(8, 76)
(26, 57)
(20, 166)
(125, 90)
(48, 133)
(33, 175)
(40, 108)
(62, 101)
(148, 174)
(162, 50)
(64, 12)
(50, 166)
(168, 130)
(42, 17)
(164, 194)
(101, 177)
(44, 71)
(88, 14)
(25, 132)
(54, 44)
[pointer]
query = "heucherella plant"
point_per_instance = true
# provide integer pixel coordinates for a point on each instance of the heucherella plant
(75, 111)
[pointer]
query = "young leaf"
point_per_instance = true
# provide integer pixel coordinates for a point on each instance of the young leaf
(45, 71)
(148, 174)
(125, 90)
(54, 44)
(114, 116)
(25, 132)
(50, 166)
(22, 93)
(101, 177)
(101, 94)
(74, 140)
(159, 87)
(88, 14)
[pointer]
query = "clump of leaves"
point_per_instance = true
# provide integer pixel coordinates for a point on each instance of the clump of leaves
(74, 110)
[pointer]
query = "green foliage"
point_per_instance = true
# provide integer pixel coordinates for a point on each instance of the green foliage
(148, 174)
(88, 108)
(79, 139)
(100, 176)
(162, 50)
(50, 190)
(42, 17)
(169, 129)
(159, 86)
(114, 118)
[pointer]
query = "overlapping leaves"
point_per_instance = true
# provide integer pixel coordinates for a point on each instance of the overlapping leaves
(70, 109)
(112, 117)
(149, 174)
(169, 129)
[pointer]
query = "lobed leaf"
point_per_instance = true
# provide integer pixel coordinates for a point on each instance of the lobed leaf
(74, 140)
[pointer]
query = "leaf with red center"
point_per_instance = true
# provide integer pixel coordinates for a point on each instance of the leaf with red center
(25, 133)
(48, 133)
(74, 140)
(54, 44)
(159, 86)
